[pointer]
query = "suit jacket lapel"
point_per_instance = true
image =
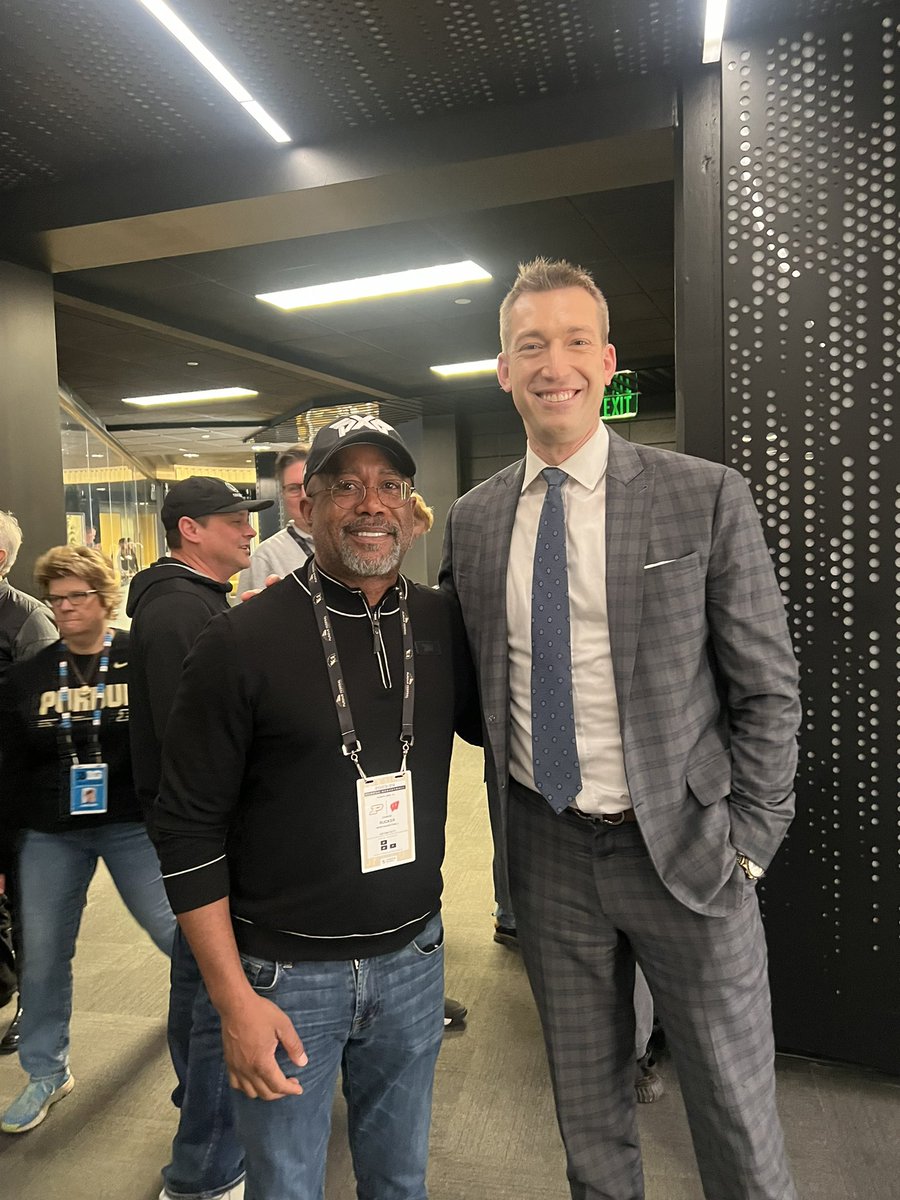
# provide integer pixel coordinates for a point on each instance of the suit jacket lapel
(629, 500)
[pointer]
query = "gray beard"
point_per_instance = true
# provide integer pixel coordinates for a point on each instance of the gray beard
(369, 568)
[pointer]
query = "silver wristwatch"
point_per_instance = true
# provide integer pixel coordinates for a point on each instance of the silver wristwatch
(752, 870)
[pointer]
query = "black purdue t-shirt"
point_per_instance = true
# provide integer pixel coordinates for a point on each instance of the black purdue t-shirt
(34, 773)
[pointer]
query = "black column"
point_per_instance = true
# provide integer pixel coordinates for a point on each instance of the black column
(31, 479)
(699, 411)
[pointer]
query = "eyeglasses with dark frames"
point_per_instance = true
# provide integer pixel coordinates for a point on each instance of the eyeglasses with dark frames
(76, 599)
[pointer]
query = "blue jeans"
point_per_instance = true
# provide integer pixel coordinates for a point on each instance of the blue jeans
(379, 1021)
(207, 1158)
(55, 871)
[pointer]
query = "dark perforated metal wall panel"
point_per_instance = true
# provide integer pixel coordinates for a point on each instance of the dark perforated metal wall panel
(812, 356)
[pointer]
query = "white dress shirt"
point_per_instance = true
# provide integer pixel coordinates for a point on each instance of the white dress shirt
(604, 786)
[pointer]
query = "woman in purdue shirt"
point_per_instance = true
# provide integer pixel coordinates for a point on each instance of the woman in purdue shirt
(67, 797)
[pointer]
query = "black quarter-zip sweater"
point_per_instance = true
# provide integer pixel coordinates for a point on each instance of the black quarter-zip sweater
(257, 800)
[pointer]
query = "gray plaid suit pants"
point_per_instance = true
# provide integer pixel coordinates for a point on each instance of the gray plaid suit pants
(588, 902)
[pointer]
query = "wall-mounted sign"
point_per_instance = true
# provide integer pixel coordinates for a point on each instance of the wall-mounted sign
(620, 400)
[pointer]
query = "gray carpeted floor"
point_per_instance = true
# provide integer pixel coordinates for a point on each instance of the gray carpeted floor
(494, 1134)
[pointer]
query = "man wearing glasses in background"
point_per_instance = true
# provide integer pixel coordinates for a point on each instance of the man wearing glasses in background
(300, 829)
(289, 547)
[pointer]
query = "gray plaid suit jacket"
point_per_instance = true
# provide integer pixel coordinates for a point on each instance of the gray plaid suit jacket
(705, 676)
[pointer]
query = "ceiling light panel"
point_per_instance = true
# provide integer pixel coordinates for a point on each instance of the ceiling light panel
(397, 283)
(174, 24)
(714, 30)
(483, 366)
(200, 397)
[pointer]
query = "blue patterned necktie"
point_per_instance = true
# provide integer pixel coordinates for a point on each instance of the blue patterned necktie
(557, 775)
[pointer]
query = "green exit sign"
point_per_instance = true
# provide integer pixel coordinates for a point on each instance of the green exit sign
(620, 400)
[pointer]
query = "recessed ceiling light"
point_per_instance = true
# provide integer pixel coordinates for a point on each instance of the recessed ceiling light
(210, 394)
(462, 300)
(219, 72)
(98, 456)
(205, 436)
(484, 366)
(193, 364)
(187, 454)
(713, 30)
(418, 280)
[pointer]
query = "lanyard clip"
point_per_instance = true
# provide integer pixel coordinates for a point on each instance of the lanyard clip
(352, 752)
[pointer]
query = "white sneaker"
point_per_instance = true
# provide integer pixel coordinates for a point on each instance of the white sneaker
(235, 1193)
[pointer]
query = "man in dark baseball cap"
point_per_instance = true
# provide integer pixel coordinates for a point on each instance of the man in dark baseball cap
(358, 431)
(209, 537)
(202, 496)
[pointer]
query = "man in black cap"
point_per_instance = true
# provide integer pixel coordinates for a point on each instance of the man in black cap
(209, 536)
(301, 832)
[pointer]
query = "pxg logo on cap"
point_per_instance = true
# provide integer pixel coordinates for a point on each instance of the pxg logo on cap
(345, 425)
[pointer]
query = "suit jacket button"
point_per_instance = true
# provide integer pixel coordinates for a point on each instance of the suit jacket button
(492, 718)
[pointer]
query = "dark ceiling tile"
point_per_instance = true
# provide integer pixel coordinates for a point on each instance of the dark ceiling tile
(633, 354)
(653, 271)
(132, 278)
(644, 223)
(633, 332)
(665, 302)
(613, 277)
(636, 307)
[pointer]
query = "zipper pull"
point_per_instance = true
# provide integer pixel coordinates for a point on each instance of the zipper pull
(376, 633)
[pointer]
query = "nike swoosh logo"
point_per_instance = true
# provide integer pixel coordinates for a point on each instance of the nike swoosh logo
(119, 666)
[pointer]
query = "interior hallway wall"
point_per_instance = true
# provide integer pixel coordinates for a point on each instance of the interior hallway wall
(812, 353)
(432, 443)
(31, 475)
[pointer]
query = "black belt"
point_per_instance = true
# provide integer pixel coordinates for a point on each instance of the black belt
(614, 819)
(619, 818)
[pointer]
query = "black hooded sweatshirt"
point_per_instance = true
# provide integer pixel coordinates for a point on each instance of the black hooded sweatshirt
(170, 605)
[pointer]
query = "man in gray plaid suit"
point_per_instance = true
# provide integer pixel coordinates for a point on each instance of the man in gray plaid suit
(640, 707)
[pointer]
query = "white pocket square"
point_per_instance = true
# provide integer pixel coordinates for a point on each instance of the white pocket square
(663, 562)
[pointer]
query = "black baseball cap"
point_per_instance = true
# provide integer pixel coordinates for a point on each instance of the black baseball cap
(204, 495)
(358, 431)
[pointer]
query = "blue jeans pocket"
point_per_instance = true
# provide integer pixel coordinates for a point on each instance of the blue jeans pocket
(431, 939)
(262, 975)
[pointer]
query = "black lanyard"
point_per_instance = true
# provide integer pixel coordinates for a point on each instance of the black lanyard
(301, 541)
(350, 744)
(65, 716)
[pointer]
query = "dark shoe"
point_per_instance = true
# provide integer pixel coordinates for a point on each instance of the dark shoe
(656, 1047)
(9, 1043)
(454, 1014)
(505, 935)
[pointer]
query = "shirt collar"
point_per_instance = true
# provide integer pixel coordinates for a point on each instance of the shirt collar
(586, 466)
(351, 602)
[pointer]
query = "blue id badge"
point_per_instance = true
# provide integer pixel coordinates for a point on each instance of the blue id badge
(87, 789)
